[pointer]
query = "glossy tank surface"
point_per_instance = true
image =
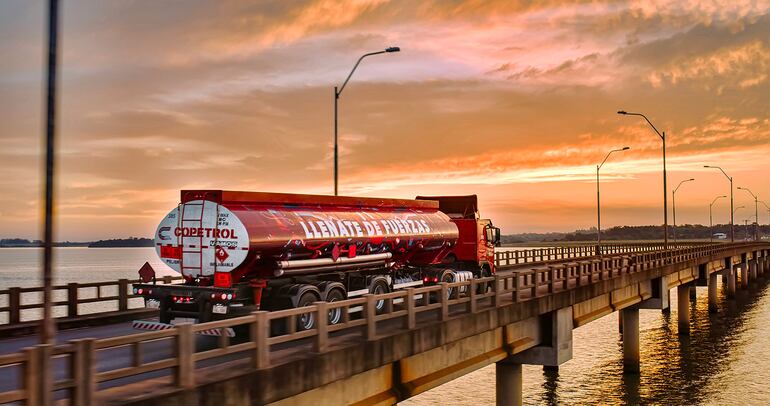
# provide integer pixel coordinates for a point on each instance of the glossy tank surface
(250, 232)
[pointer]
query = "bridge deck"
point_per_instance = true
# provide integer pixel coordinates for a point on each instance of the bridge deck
(425, 314)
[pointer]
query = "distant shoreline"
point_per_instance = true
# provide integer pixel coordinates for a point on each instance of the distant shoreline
(131, 242)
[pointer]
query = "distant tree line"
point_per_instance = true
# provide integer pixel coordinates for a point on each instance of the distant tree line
(683, 232)
(120, 242)
(123, 243)
(24, 243)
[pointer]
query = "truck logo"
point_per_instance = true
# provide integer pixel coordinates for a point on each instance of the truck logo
(162, 231)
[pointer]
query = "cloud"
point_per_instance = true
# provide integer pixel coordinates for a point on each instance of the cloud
(743, 66)
(511, 100)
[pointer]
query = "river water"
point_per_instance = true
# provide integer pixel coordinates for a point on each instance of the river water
(724, 361)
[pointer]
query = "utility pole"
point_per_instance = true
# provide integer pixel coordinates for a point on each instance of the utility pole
(48, 329)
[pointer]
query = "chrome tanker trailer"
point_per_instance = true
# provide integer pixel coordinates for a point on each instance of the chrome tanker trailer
(244, 251)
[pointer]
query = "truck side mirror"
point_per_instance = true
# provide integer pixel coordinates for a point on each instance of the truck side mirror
(497, 237)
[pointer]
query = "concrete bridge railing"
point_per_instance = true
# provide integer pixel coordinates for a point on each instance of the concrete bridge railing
(17, 302)
(274, 336)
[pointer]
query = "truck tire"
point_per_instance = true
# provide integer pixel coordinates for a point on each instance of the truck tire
(306, 321)
(484, 287)
(449, 276)
(335, 315)
(379, 286)
(164, 315)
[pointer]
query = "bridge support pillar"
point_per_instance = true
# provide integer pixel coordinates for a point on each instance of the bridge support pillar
(744, 275)
(753, 269)
(730, 272)
(712, 287)
(630, 317)
(508, 380)
(683, 308)
(693, 294)
(556, 346)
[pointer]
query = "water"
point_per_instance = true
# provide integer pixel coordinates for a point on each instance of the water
(21, 267)
(724, 361)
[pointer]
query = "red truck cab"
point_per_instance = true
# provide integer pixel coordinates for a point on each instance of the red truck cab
(475, 247)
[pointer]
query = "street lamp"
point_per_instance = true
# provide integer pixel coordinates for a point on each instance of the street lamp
(746, 230)
(732, 212)
(337, 94)
(738, 208)
(711, 218)
(665, 187)
(756, 211)
(673, 202)
(598, 206)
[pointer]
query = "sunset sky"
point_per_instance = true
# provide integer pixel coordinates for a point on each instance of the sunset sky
(513, 101)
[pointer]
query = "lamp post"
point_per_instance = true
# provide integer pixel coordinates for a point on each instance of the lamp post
(665, 187)
(736, 209)
(732, 212)
(711, 218)
(598, 204)
(337, 94)
(756, 211)
(673, 202)
(766, 206)
(745, 229)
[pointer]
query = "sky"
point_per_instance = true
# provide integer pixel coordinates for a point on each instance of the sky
(514, 101)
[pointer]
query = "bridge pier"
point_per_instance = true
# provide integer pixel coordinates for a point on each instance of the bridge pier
(753, 268)
(730, 272)
(693, 294)
(630, 318)
(683, 308)
(554, 350)
(712, 287)
(508, 383)
(744, 275)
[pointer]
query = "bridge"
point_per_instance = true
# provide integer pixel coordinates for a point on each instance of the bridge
(425, 336)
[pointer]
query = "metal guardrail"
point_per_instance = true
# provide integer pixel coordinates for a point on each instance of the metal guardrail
(20, 299)
(436, 303)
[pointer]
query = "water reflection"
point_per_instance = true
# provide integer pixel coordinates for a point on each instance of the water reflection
(724, 360)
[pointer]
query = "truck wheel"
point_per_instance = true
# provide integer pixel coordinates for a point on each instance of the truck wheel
(379, 286)
(335, 315)
(306, 321)
(449, 277)
(164, 316)
(484, 287)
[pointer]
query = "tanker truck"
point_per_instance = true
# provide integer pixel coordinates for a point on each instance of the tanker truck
(244, 251)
